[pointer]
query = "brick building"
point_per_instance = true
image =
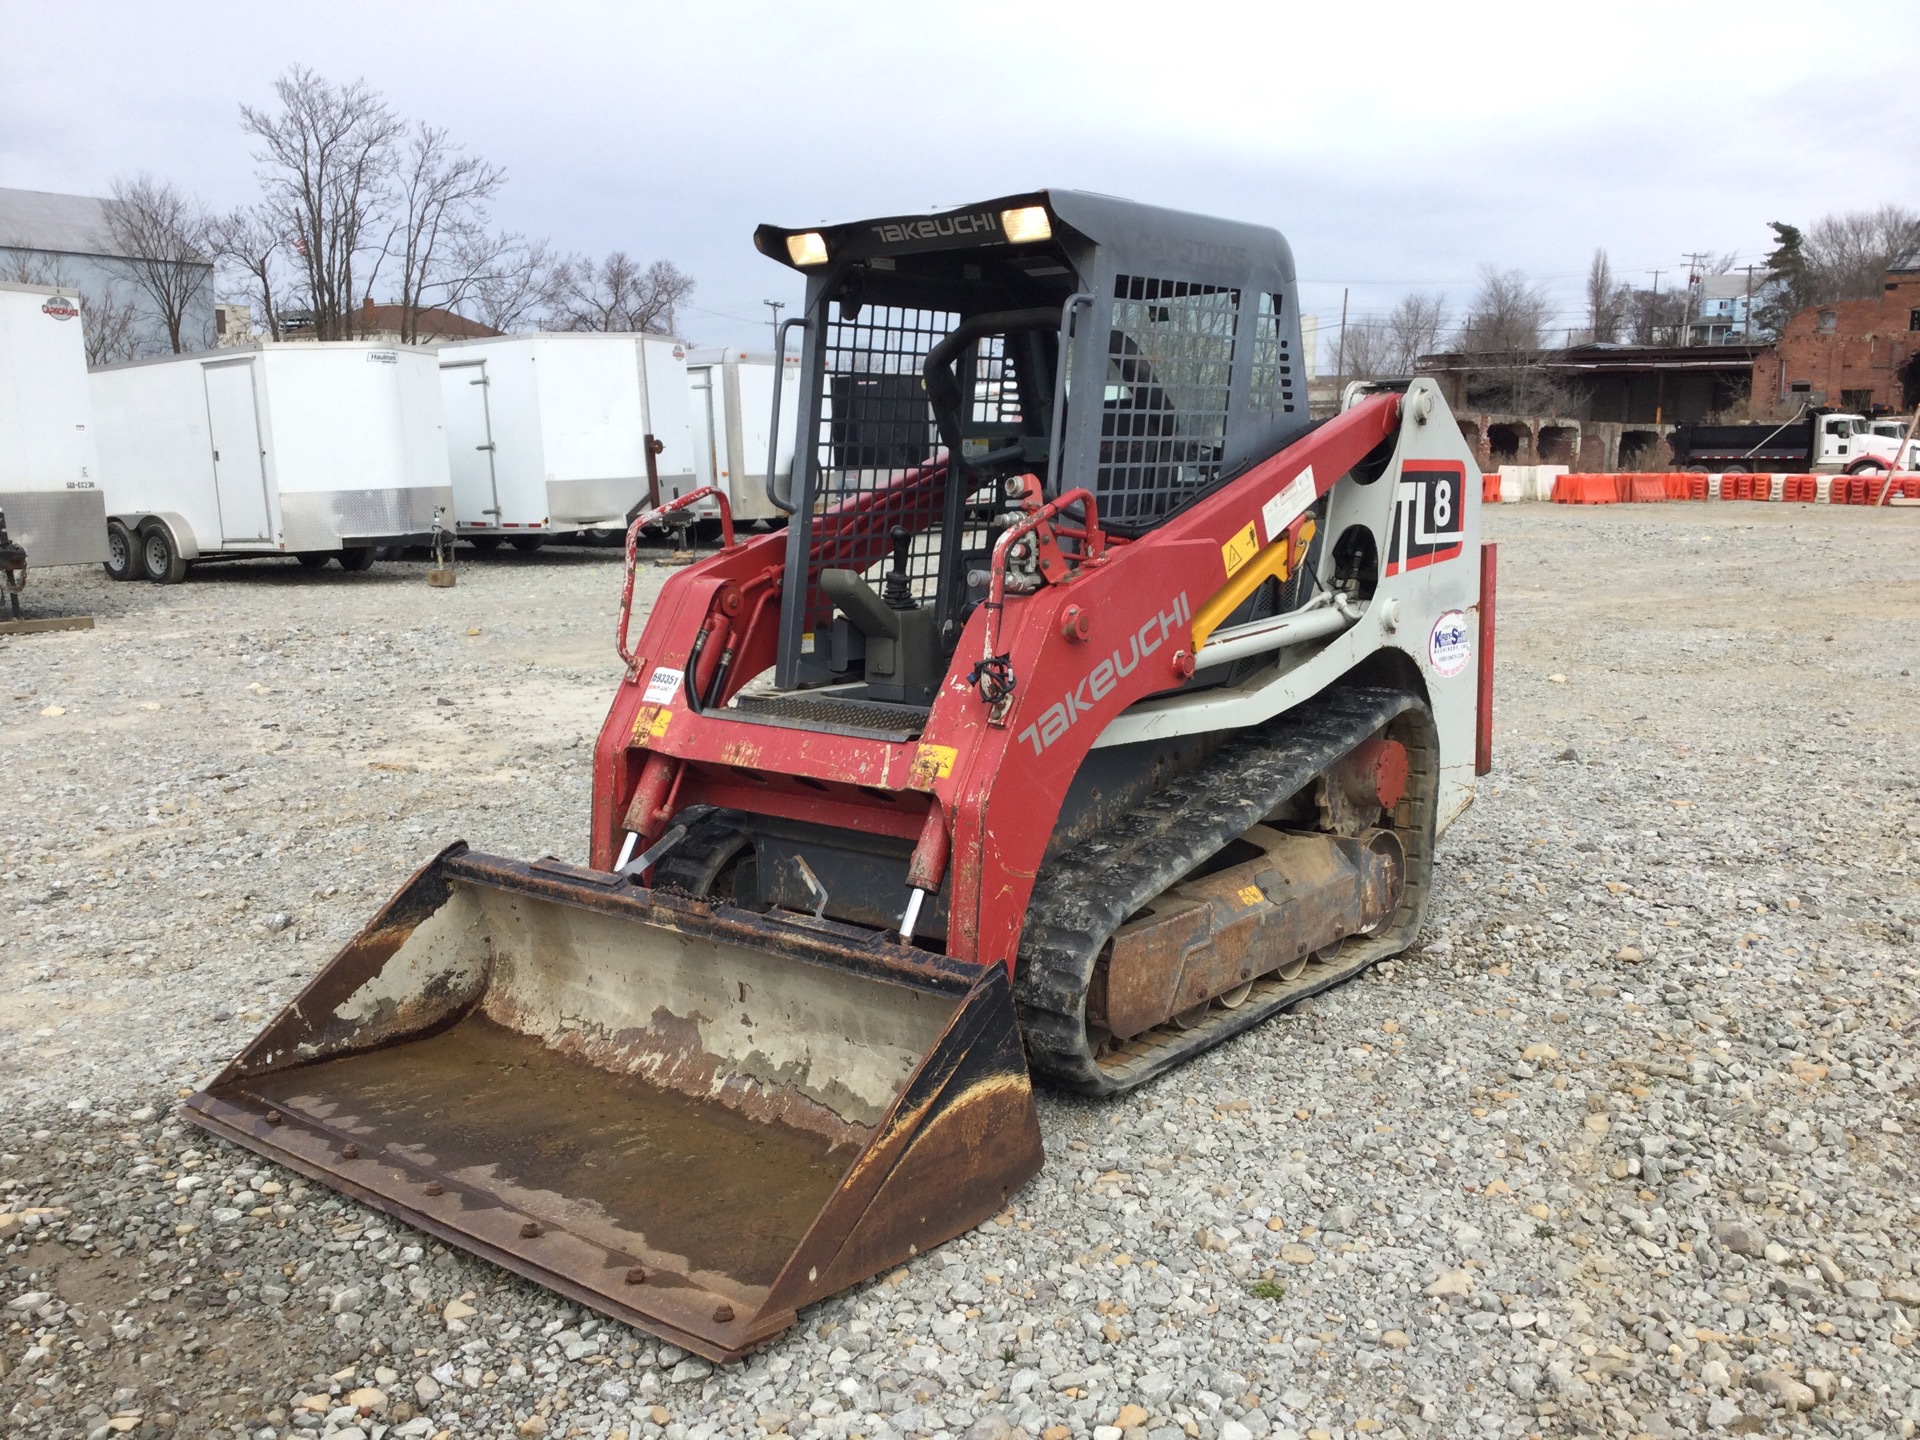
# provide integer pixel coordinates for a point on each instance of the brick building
(1859, 355)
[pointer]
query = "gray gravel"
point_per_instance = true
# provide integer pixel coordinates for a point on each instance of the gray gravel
(1627, 1145)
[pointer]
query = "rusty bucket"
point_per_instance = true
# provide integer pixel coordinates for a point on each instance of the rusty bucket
(690, 1117)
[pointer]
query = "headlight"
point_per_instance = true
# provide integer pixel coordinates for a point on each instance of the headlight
(807, 249)
(1031, 222)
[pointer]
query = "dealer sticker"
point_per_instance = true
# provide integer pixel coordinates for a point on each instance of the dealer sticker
(1450, 646)
(664, 685)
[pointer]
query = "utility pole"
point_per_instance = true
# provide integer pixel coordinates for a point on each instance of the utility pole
(1694, 259)
(1340, 355)
(1653, 310)
(776, 306)
(1746, 316)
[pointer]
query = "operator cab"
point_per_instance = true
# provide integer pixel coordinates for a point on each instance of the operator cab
(939, 369)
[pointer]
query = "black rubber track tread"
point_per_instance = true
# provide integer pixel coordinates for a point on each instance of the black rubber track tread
(1084, 895)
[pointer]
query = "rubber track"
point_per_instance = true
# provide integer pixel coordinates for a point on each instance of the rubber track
(1086, 894)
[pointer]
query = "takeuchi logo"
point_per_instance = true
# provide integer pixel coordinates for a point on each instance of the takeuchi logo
(61, 307)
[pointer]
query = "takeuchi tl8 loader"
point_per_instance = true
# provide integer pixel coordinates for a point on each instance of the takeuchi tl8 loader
(1092, 707)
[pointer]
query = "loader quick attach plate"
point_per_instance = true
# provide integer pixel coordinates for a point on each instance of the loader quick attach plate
(693, 1118)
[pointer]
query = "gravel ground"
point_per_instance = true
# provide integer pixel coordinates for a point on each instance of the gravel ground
(1625, 1146)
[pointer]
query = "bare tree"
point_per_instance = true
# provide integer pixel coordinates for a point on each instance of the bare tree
(326, 158)
(617, 294)
(1604, 301)
(1508, 315)
(1653, 317)
(160, 236)
(438, 233)
(1367, 352)
(1413, 329)
(110, 327)
(1847, 256)
(509, 293)
(1506, 324)
(248, 244)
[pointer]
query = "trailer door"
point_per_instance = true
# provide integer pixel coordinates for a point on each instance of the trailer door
(707, 469)
(470, 448)
(240, 479)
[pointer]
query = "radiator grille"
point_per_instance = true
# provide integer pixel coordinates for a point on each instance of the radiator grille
(1163, 422)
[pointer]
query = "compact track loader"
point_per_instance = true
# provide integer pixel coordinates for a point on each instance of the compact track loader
(1093, 706)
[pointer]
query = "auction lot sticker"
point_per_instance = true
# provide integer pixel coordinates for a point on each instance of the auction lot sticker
(1450, 646)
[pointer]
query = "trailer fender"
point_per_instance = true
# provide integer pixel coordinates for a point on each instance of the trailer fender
(184, 543)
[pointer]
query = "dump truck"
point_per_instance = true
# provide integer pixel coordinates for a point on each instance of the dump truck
(1815, 439)
(1093, 707)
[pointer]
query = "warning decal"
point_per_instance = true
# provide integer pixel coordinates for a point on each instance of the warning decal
(1240, 548)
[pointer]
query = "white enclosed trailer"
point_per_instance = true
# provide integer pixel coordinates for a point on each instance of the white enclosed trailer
(732, 415)
(49, 477)
(547, 434)
(305, 449)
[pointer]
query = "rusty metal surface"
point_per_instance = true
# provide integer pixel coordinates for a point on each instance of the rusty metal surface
(692, 1118)
(1206, 936)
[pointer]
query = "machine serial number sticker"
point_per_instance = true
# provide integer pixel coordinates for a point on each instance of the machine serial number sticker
(931, 763)
(650, 723)
(1251, 895)
(664, 685)
(1240, 549)
(1288, 505)
(1450, 646)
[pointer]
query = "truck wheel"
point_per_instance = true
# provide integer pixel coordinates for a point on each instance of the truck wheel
(313, 559)
(122, 553)
(160, 558)
(527, 544)
(1867, 465)
(359, 558)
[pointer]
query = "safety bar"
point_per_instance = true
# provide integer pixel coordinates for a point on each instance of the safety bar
(1058, 420)
(633, 557)
(779, 501)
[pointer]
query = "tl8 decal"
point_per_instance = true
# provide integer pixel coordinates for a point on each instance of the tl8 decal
(1429, 515)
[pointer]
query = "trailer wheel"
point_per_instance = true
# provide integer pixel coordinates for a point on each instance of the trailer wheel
(313, 559)
(527, 544)
(160, 558)
(356, 559)
(122, 554)
(486, 544)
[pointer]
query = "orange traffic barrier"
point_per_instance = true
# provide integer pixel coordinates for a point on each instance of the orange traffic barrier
(1587, 489)
(1490, 489)
(1802, 489)
(1646, 488)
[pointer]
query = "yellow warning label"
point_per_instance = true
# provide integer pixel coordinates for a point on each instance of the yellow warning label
(1251, 895)
(650, 723)
(931, 763)
(1241, 548)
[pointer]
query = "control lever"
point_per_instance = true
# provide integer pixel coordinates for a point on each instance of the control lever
(897, 587)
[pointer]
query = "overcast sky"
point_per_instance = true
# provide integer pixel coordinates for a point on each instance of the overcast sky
(1397, 147)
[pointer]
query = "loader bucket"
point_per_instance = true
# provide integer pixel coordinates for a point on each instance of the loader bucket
(690, 1117)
